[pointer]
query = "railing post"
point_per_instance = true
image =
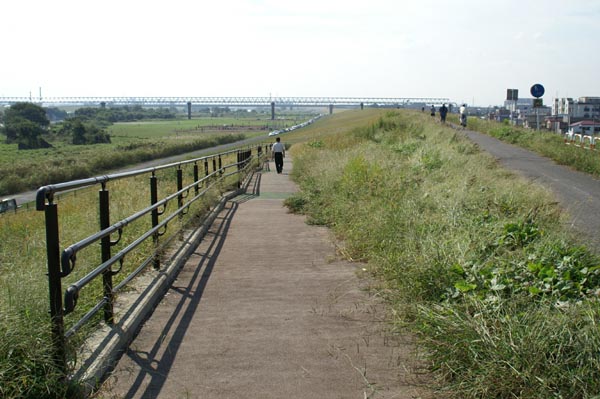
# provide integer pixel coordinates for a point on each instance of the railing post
(220, 164)
(196, 178)
(179, 187)
(105, 244)
(214, 164)
(154, 216)
(206, 171)
(239, 167)
(180, 198)
(54, 284)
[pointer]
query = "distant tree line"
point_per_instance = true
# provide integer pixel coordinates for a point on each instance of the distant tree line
(218, 112)
(106, 116)
(28, 123)
(83, 132)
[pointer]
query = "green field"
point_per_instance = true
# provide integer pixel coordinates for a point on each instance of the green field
(132, 142)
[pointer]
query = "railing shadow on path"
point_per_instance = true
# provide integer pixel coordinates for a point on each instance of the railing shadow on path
(157, 369)
(191, 295)
(252, 191)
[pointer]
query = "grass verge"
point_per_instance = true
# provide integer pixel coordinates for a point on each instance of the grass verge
(472, 258)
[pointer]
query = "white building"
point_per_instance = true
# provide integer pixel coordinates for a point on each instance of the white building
(520, 106)
(582, 108)
(562, 106)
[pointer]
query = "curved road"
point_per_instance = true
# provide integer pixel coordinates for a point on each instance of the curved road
(577, 192)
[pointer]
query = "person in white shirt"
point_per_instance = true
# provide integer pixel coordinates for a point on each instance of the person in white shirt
(463, 115)
(278, 150)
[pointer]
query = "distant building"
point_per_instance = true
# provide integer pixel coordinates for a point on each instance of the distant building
(556, 123)
(583, 108)
(588, 108)
(519, 106)
(587, 127)
(521, 112)
(499, 114)
(535, 116)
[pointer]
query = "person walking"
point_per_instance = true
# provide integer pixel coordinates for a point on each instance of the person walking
(432, 110)
(443, 113)
(278, 150)
(463, 115)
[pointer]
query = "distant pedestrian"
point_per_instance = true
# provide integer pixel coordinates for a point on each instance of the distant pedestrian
(278, 150)
(432, 110)
(443, 113)
(423, 109)
(463, 115)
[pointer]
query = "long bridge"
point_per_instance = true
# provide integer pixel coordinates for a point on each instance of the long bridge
(228, 101)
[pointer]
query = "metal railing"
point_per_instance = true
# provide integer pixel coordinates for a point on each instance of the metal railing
(238, 167)
(585, 141)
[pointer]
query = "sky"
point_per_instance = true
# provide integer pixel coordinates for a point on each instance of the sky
(469, 51)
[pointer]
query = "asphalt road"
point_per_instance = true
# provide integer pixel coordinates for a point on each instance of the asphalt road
(578, 193)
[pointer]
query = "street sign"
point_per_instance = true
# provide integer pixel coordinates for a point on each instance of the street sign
(538, 103)
(512, 94)
(537, 90)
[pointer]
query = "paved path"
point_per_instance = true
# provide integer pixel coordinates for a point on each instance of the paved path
(577, 192)
(263, 309)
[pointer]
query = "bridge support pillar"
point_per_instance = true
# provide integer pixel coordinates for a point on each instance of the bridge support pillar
(189, 106)
(272, 110)
(330, 109)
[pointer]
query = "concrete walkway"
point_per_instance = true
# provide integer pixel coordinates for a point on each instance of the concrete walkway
(264, 309)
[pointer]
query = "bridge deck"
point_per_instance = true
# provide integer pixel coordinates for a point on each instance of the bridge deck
(264, 310)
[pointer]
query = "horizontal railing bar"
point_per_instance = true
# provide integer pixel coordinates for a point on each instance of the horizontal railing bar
(133, 274)
(69, 252)
(72, 292)
(86, 317)
(49, 190)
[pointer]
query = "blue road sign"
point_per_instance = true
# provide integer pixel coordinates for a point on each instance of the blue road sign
(537, 90)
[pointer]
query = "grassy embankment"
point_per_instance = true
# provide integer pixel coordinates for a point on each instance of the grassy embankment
(472, 258)
(132, 143)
